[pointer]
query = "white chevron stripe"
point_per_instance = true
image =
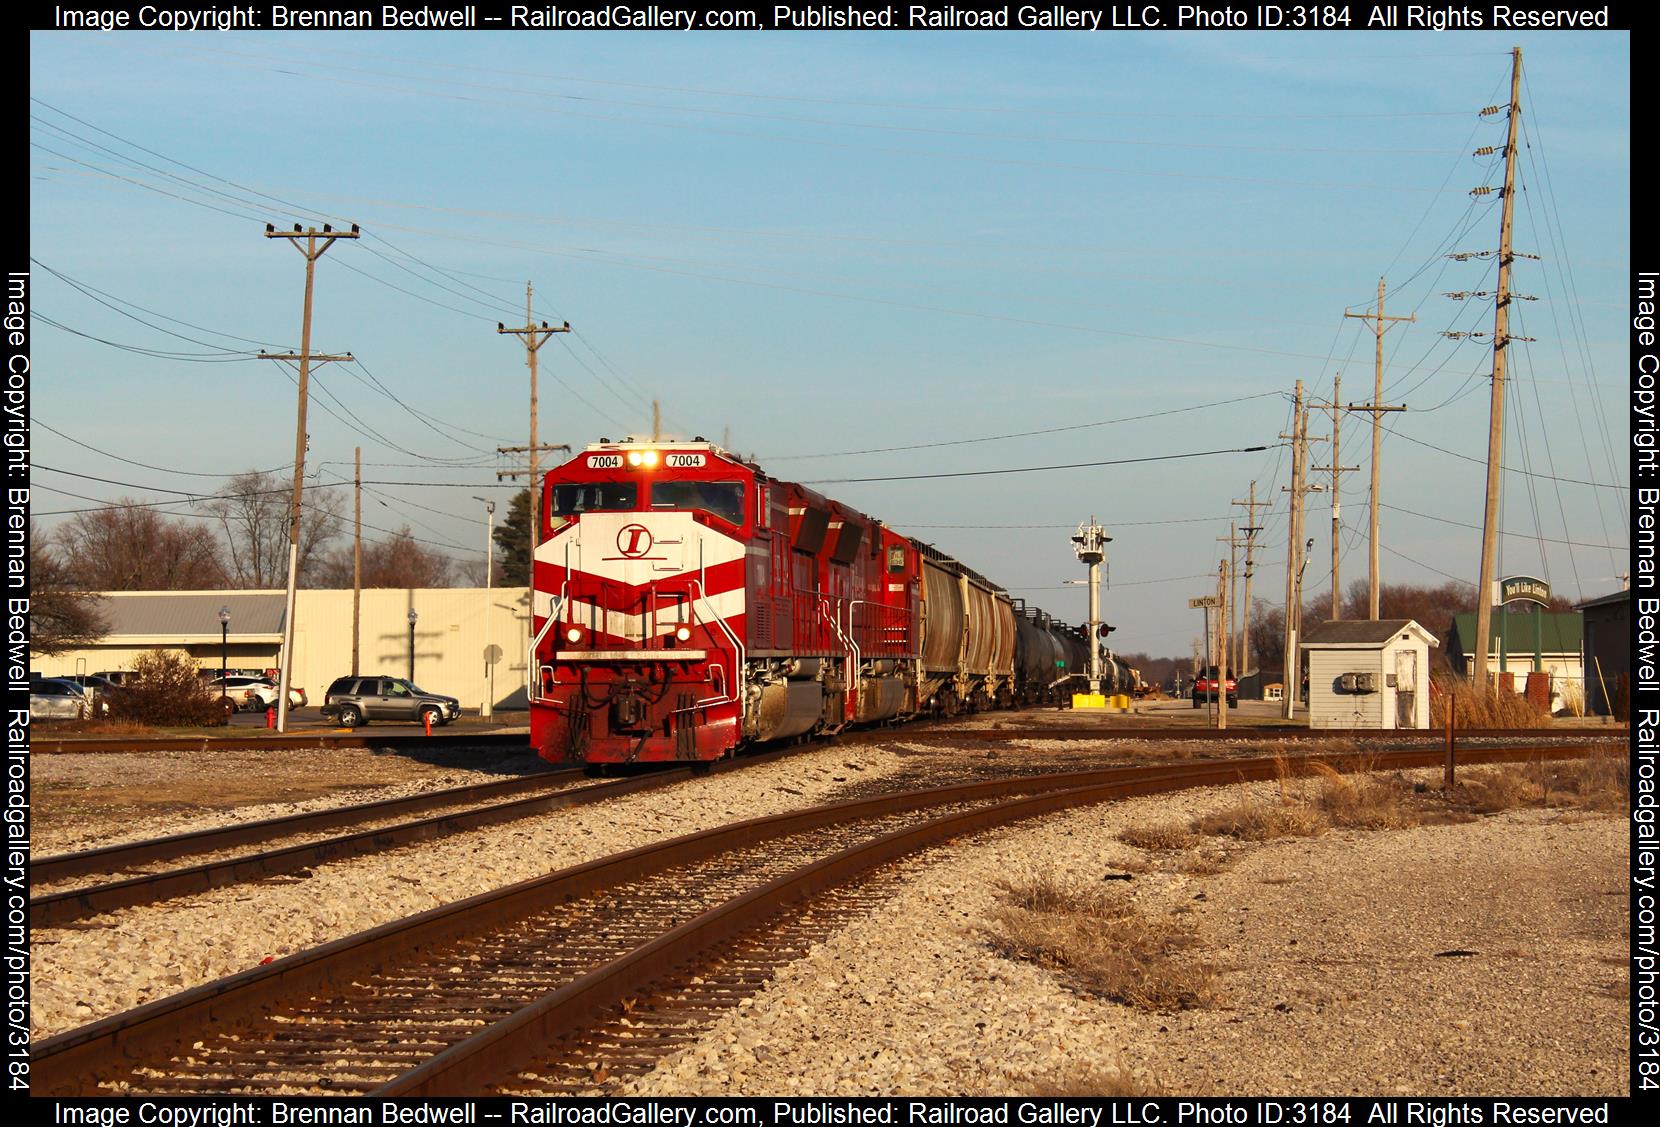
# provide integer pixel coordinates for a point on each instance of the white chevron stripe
(620, 624)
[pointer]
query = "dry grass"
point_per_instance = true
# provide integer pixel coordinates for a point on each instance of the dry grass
(1166, 836)
(1600, 782)
(1478, 707)
(1346, 800)
(1096, 940)
(1251, 820)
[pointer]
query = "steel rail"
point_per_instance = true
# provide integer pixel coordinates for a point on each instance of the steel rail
(57, 909)
(1105, 732)
(510, 1045)
(114, 858)
(262, 742)
(79, 1060)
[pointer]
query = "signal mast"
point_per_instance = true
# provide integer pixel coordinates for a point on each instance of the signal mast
(1090, 544)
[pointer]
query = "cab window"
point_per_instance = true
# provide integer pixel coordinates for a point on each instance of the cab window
(724, 499)
(594, 496)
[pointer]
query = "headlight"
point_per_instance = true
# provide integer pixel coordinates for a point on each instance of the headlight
(650, 457)
(573, 634)
(634, 457)
(683, 633)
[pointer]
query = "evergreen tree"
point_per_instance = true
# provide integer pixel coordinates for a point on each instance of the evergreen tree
(513, 542)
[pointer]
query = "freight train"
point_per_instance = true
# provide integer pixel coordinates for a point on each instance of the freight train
(686, 604)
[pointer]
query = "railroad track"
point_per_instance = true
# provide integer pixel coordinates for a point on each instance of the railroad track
(508, 988)
(483, 804)
(258, 740)
(1103, 732)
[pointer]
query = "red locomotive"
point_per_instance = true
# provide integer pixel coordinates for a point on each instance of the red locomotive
(686, 603)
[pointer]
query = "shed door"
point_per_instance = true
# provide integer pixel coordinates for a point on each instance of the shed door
(1406, 688)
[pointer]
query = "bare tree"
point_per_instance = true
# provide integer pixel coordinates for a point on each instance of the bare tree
(59, 619)
(253, 515)
(398, 561)
(128, 547)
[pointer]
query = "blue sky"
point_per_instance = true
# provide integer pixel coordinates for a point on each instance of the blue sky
(825, 244)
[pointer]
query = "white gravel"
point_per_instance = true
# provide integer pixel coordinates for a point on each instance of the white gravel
(135, 955)
(1332, 984)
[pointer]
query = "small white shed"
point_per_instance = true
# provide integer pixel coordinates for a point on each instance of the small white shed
(1367, 674)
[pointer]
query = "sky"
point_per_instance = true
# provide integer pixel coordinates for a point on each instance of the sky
(854, 256)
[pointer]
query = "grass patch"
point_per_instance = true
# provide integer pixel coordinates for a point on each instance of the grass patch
(1167, 836)
(1095, 939)
(1482, 706)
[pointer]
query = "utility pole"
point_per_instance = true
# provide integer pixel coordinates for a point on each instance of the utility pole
(1234, 542)
(656, 421)
(533, 337)
(1251, 529)
(312, 253)
(1294, 557)
(1501, 339)
(1288, 708)
(1337, 469)
(1221, 686)
(1379, 324)
(357, 554)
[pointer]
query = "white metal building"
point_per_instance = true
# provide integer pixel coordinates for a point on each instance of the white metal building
(1367, 674)
(447, 641)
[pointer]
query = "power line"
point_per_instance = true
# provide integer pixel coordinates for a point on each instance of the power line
(1023, 433)
(1038, 469)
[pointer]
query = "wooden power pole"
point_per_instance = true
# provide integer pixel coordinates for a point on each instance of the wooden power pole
(357, 554)
(1501, 339)
(1251, 529)
(533, 336)
(312, 253)
(1378, 410)
(1337, 469)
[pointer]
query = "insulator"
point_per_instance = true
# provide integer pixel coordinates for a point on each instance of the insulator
(1457, 295)
(1485, 151)
(1489, 111)
(1519, 254)
(1524, 297)
(1482, 191)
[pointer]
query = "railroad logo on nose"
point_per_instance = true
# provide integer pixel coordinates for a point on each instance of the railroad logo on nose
(634, 541)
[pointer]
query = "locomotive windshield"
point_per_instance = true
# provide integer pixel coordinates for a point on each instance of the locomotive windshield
(594, 496)
(724, 499)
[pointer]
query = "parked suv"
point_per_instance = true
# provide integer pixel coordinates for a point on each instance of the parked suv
(357, 700)
(1204, 689)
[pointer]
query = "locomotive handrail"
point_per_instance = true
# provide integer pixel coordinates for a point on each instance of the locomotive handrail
(533, 668)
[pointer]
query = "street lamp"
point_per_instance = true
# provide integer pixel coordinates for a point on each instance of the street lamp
(224, 643)
(489, 566)
(412, 617)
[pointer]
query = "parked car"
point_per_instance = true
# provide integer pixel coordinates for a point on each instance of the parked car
(256, 694)
(1204, 689)
(114, 676)
(57, 698)
(356, 700)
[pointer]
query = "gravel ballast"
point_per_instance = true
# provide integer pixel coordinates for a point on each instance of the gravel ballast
(1334, 953)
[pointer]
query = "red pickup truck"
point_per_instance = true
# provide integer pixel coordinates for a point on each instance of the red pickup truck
(1204, 689)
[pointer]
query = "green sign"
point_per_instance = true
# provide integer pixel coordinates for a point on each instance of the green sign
(1524, 589)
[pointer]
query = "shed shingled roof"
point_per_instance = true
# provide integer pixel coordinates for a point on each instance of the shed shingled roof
(1357, 632)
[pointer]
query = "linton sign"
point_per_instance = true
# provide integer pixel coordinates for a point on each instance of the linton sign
(1524, 589)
